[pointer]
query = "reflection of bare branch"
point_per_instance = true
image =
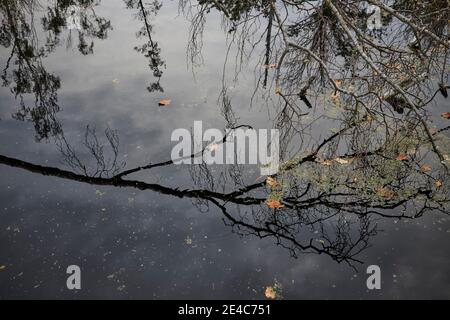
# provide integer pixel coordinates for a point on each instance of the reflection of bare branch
(104, 166)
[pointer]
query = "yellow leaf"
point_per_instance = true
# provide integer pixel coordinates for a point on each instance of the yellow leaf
(274, 204)
(324, 162)
(342, 161)
(164, 102)
(278, 90)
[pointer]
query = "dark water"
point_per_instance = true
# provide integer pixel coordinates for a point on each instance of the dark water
(134, 243)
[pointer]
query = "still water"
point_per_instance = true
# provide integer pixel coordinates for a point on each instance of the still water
(161, 240)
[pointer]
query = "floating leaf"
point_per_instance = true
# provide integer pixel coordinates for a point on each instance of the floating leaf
(385, 193)
(213, 147)
(272, 182)
(278, 91)
(401, 157)
(324, 162)
(446, 115)
(335, 96)
(115, 81)
(188, 241)
(164, 102)
(342, 161)
(270, 293)
(2, 268)
(270, 66)
(438, 184)
(425, 168)
(274, 204)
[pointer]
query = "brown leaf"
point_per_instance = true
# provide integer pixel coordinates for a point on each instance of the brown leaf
(324, 162)
(270, 293)
(438, 184)
(272, 182)
(270, 66)
(385, 193)
(425, 168)
(274, 204)
(446, 115)
(164, 102)
(401, 157)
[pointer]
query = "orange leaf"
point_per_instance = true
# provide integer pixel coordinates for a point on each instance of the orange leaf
(446, 115)
(401, 157)
(164, 102)
(425, 168)
(335, 96)
(274, 204)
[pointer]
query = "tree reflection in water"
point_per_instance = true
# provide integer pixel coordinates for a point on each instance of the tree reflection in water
(382, 160)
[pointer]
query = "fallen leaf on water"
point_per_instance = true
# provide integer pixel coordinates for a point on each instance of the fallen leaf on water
(2, 268)
(270, 293)
(274, 204)
(272, 182)
(342, 161)
(335, 96)
(278, 91)
(270, 66)
(188, 241)
(164, 102)
(324, 162)
(213, 147)
(385, 193)
(115, 81)
(425, 168)
(401, 157)
(438, 184)
(446, 115)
